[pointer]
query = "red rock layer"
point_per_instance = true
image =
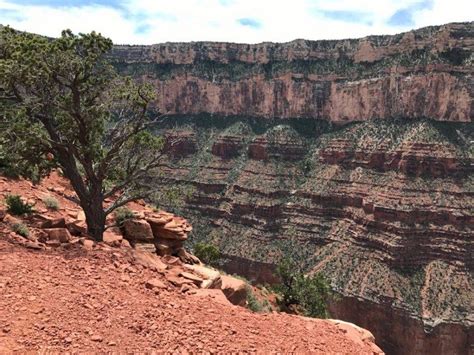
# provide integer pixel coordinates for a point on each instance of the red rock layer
(422, 73)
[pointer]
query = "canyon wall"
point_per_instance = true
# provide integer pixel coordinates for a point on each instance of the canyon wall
(423, 73)
(384, 209)
(382, 205)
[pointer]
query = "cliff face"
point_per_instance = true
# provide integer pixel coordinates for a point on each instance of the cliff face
(383, 208)
(382, 205)
(423, 73)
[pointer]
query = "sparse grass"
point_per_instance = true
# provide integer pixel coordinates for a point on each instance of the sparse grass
(16, 206)
(122, 214)
(252, 302)
(51, 203)
(21, 229)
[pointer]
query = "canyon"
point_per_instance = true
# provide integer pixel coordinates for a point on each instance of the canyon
(354, 157)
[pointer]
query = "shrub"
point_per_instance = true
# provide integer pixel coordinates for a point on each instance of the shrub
(21, 229)
(51, 203)
(122, 214)
(254, 304)
(309, 294)
(207, 253)
(16, 206)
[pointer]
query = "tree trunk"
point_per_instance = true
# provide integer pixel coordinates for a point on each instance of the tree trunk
(95, 219)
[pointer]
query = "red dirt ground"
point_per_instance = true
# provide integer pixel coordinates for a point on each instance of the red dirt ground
(96, 301)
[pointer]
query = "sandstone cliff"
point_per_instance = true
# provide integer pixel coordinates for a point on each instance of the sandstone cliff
(422, 73)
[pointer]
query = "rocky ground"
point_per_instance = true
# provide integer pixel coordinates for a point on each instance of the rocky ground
(76, 295)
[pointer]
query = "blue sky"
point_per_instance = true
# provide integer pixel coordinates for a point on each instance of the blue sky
(248, 21)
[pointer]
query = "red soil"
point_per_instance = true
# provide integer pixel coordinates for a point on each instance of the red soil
(97, 301)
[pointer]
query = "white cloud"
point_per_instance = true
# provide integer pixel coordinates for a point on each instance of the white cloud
(217, 20)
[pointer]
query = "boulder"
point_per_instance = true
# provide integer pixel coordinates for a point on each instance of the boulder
(168, 247)
(167, 226)
(234, 289)
(357, 334)
(49, 222)
(77, 227)
(137, 230)
(216, 295)
(177, 280)
(212, 278)
(171, 260)
(155, 284)
(53, 243)
(163, 249)
(196, 279)
(112, 238)
(9, 219)
(60, 234)
(149, 261)
(187, 258)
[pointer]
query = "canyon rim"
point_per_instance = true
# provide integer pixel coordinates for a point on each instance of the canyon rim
(354, 156)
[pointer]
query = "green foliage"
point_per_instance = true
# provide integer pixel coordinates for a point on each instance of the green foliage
(308, 293)
(207, 253)
(254, 304)
(16, 206)
(173, 197)
(122, 214)
(51, 203)
(21, 229)
(63, 105)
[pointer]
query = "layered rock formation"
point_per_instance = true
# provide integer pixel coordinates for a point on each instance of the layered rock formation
(422, 73)
(383, 206)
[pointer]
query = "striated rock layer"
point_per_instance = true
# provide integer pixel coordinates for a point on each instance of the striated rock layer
(421, 73)
(383, 208)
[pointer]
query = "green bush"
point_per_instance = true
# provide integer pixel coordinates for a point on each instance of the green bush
(122, 214)
(21, 229)
(207, 253)
(254, 304)
(51, 203)
(308, 293)
(16, 206)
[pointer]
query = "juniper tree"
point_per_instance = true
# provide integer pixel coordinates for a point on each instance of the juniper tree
(63, 105)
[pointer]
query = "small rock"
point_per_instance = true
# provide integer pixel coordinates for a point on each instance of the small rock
(53, 243)
(125, 278)
(192, 277)
(154, 283)
(88, 244)
(60, 234)
(97, 338)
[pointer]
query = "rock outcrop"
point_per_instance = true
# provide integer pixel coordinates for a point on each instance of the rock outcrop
(421, 73)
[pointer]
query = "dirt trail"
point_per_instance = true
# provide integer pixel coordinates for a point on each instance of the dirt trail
(78, 300)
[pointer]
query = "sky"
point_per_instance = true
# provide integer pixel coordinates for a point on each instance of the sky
(243, 21)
